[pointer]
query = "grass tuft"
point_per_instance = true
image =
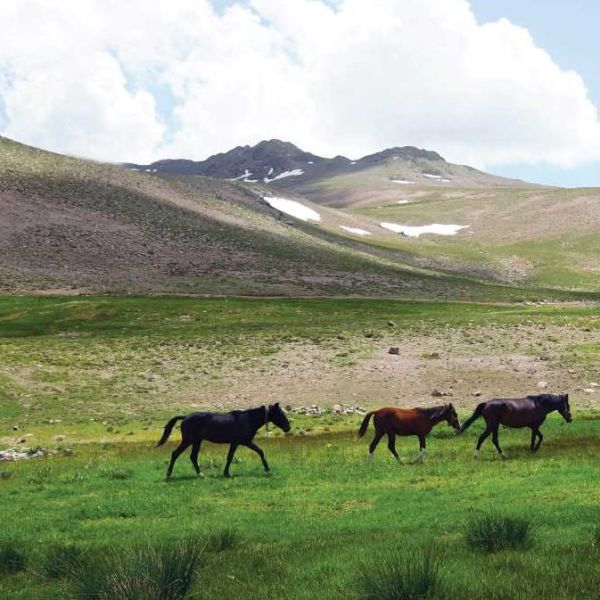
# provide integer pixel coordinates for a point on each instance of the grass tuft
(62, 561)
(143, 572)
(12, 559)
(596, 538)
(401, 576)
(224, 539)
(492, 533)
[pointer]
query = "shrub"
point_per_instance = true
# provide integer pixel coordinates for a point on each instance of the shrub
(143, 572)
(492, 533)
(401, 576)
(224, 539)
(12, 559)
(61, 561)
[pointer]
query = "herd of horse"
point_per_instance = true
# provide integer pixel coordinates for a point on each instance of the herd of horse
(239, 427)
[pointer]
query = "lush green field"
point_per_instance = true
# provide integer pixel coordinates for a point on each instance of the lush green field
(306, 531)
(94, 379)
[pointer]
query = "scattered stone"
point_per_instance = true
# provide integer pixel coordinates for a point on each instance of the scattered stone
(439, 394)
(542, 384)
(24, 454)
(59, 438)
(337, 409)
(589, 390)
(394, 350)
(54, 421)
(477, 393)
(15, 428)
(391, 324)
(289, 408)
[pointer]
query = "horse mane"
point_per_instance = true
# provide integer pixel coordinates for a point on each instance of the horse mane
(542, 398)
(435, 411)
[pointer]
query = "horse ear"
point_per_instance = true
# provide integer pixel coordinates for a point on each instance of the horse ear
(277, 404)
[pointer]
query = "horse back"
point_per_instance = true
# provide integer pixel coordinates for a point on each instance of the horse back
(401, 421)
(513, 412)
(220, 428)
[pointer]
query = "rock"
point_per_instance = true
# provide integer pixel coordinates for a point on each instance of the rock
(391, 324)
(437, 393)
(589, 390)
(289, 408)
(394, 350)
(477, 393)
(542, 384)
(59, 438)
(15, 428)
(593, 384)
(337, 409)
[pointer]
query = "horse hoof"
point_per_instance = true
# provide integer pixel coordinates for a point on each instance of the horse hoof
(476, 454)
(504, 456)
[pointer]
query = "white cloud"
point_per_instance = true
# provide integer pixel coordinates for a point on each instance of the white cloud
(81, 76)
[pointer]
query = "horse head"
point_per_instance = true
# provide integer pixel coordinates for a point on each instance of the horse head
(564, 408)
(276, 416)
(452, 418)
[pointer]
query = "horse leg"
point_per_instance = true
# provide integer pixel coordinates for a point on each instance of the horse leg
(540, 438)
(392, 445)
(376, 440)
(533, 437)
(232, 449)
(495, 441)
(482, 439)
(194, 456)
(258, 451)
(423, 446)
(175, 455)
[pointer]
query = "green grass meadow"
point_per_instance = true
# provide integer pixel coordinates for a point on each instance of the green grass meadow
(324, 517)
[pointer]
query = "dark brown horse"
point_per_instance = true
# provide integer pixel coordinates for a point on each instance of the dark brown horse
(393, 421)
(236, 428)
(530, 411)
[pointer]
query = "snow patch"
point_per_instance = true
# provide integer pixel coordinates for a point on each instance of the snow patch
(270, 171)
(402, 202)
(353, 162)
(292, 208)
(432, 176)
(293, 173)
(402, 181)
(244, 176)
(416, 231)
(355, 230)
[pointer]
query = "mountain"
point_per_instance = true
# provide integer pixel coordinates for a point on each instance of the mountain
(285, 166)
(72, 224)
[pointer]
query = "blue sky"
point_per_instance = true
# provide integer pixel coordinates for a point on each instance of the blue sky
(150, 79)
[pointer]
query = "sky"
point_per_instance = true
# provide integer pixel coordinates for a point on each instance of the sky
(508, 86)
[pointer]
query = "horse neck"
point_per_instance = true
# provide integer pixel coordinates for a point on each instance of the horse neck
(258, 417)
(437, 417)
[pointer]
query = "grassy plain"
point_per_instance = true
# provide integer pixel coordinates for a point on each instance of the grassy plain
(94, 378)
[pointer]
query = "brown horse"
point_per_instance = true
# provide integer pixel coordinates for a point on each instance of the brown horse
(530, 411)
(393, 421)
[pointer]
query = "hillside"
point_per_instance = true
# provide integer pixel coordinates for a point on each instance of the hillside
(76, 224)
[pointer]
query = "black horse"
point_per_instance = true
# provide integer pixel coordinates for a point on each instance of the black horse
(530, 411)
(236, 428)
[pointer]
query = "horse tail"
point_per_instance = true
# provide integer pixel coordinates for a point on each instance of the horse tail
(168, 428)
(473, 417)
(364, 424)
